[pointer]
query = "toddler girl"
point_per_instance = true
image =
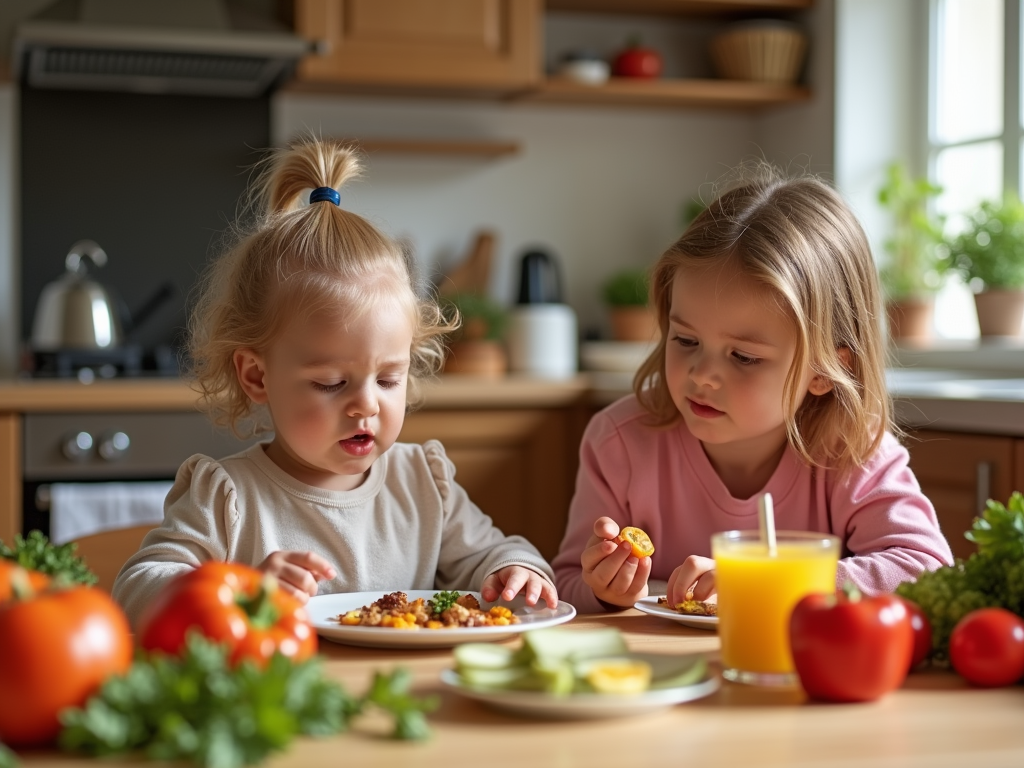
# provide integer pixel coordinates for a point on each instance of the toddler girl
(769, 377)
(312, 322)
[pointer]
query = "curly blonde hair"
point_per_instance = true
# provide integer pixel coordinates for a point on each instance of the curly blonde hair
(798, 238)
(300, 258)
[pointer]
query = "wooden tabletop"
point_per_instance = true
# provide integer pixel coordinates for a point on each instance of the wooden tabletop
(935, 720)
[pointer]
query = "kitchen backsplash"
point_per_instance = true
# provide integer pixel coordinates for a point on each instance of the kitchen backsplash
(154, 180)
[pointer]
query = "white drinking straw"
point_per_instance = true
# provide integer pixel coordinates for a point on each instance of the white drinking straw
(766, 516)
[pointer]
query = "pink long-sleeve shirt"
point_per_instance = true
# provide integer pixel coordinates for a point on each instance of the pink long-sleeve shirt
(660, 480)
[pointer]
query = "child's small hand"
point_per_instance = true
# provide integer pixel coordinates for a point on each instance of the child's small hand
(696, 575)
(610, 568)
(513, 579)
(298, 572)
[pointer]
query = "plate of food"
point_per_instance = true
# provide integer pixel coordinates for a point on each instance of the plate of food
(420, 618)
(579, 674)
(691, 613)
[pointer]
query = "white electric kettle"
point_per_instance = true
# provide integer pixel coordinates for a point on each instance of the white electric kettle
(75, 312)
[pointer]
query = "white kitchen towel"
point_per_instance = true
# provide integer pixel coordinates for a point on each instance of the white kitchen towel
(83, 509)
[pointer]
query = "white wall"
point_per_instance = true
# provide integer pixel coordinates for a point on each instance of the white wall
(601, 187)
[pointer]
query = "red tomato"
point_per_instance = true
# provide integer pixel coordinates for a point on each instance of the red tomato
(922, 633)
(233, 604)
(987, 647)
(56, 649)
(636, 61)
(851, 648)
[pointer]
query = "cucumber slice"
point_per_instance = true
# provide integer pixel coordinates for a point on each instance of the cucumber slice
(556, 679)
(688, 676)
(494, 678)
(483, 656)
(551, 646)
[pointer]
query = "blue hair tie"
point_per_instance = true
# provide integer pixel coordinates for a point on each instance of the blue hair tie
(320, 194)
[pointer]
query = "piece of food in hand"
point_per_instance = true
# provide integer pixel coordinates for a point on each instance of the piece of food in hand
(987, 647)
(233, 604)
(638, 540)
(851, 648)
(57, 648)
(446, 610)
(692, 607)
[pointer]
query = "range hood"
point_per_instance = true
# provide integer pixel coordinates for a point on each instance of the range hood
(197, 47)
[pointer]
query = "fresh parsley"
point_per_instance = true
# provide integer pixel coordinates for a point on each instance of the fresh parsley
(200, 709)
(7, 758)
(38, 553)
(442, 601)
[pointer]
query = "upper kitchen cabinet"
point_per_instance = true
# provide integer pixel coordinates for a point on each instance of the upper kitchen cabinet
(496, 48)
(486, 46)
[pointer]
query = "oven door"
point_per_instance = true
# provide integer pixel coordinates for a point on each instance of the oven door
(121, 456)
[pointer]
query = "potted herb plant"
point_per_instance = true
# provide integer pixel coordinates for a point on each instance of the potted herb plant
(914, 268)
(989, 255)
(626, 295)
(476, 347)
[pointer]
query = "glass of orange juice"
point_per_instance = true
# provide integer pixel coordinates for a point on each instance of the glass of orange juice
(757, 591)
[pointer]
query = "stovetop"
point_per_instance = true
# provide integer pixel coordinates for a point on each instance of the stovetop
(87, 365)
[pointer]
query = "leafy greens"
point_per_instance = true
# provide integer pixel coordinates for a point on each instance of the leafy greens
(38, 553)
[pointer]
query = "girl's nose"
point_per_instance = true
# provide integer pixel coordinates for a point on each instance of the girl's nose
(363, 402)
(702, 371)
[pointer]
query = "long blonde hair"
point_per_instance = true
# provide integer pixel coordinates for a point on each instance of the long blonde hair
(798, 238)
(300, 257)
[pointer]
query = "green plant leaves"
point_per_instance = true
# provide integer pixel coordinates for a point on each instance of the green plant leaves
(990, 249)
(916, 261)
(37, 553)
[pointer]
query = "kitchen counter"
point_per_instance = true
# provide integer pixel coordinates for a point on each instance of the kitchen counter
(51, 396)
(934, 720)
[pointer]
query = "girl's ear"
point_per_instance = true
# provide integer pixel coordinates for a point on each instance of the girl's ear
(249, 369)
(821, 385)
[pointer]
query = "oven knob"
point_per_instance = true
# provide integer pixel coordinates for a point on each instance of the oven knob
(114, 445)
(77, 446)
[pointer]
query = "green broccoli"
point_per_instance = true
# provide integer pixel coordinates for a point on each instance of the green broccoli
(991, 577)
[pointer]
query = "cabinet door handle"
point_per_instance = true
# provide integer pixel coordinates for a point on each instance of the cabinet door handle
(982, 485)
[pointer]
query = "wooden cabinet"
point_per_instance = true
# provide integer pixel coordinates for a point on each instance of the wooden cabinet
(959, 472)
(491, 45)
(518, 466)
(495, 47)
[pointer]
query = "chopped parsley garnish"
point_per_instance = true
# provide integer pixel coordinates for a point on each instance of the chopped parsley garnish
(442, 601)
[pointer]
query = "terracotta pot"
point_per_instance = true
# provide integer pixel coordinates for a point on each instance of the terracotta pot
(482, 358)
(1000, 312)
(910, 320)
(633, 324)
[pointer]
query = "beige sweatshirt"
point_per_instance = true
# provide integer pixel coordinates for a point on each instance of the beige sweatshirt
(408, 526)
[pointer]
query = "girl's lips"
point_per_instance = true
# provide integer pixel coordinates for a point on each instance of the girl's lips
(704, 411)
(357, 445)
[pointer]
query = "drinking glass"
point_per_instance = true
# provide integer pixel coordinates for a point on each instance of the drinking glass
(757, 591)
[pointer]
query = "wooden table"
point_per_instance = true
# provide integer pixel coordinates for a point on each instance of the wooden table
(935, 720)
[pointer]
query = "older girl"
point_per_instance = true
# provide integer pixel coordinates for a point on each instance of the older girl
(768, 378)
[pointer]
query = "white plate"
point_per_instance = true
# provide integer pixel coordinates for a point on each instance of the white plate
(323, 610)
(650, 605)
(581, 706)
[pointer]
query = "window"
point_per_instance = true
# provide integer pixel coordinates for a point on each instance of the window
(974, 124)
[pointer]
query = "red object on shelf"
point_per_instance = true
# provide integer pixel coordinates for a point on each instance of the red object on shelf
(637, 61)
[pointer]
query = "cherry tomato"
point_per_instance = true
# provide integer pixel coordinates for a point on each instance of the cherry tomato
(922, 633)
(233, 604)
(56, 648)
(987, 647)
(850, 648)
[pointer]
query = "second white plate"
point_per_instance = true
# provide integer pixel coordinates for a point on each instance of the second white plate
(324, 610)
(650, 605)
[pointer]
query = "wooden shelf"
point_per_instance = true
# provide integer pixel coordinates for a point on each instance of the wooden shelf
(483, 149)
(679, 7)
(736, 94)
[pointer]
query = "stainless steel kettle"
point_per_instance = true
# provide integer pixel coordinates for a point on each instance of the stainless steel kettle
(75, 312)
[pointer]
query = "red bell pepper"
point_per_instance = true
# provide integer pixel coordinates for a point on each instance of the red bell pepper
(851, 648)
(232, 604)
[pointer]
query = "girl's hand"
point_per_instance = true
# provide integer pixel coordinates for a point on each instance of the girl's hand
(696, 575)
(298, 572)
(610, 569)
(513, 579)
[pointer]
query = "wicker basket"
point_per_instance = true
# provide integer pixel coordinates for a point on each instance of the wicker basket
(765, 52)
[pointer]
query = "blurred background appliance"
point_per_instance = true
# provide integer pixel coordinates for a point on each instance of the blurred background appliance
(542, 336)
